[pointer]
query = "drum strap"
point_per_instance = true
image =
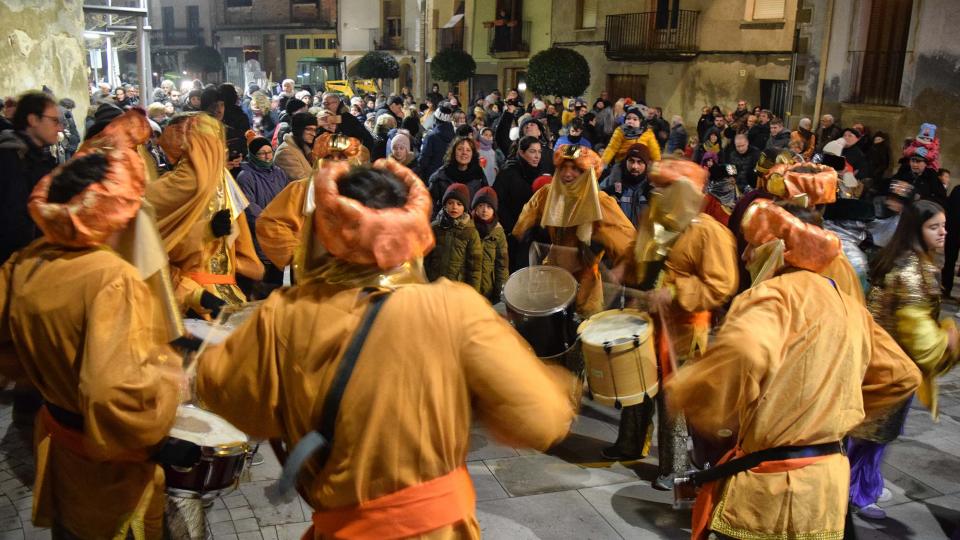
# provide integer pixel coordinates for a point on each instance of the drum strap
(749, 461)
(322, 439)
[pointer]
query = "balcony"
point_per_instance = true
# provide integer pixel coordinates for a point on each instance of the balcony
(450, 38)
(511, 40)
(652, 35)
(390, 43)
(181, 37)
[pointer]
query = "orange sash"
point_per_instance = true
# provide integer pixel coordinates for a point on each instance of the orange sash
(204, 278)
(412, 511)
(710, 493)
(73, 440)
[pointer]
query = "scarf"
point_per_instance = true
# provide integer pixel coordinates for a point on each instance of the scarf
(631, 132)
(265, 166)
(576, 204)
(468, 176)
(447, 222)
(484, 144)
(484, 227)
(576, 140)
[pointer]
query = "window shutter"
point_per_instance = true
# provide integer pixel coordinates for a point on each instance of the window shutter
(588, 14)
(768, 9)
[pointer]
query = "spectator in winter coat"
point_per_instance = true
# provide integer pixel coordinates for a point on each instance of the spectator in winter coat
(574, 135)
(435, 143)
(633, 130)
(678, 135)
(759, 133)
(261, 181)
(461, 166)
(490, 158)
(710, 144)
(385, 123)
(744, 157)
(401, 150)
(806, 137)
(628, 184)
(827, 132)
(514, 189)
(458, 254)
(347, 124)
(853, 154)
(294, 155)
(779, 136)
(234, 119)
(71, 137)
(293, 106)
(495, 265)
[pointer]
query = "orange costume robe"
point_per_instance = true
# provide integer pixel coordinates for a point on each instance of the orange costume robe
(185, 200)
(280, 225)
(436, 357)
(613, 234)
(797, 362)
(79, 328)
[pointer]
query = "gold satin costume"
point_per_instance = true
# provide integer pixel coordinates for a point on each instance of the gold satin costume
(185, 199)
(280, 225)
(797, 362)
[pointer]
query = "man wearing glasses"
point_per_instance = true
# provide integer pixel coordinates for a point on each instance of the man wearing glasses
(741, 110)
(24, 160)
(339, 120)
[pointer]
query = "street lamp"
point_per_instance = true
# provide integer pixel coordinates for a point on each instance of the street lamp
(522, 87)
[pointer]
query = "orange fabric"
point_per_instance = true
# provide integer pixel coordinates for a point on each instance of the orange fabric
(585, 158)
(204, 278)
(709, 494)
(805, 246)
(409, 512)
(73, 440)
(789, 180)
(103, 207)
(331, 143)
(699, 322)
(385, 237)
(665, 172)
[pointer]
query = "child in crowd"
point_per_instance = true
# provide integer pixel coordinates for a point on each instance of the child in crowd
(634, 130)
(458, 254)
(494, 266)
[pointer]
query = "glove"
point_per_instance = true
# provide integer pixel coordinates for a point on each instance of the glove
(220, 223)
(211, 303)
(922, 151)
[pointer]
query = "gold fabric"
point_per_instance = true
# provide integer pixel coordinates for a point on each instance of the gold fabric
(292, 160)
(576, 204)
(280, 225)
(672, 209)
(613, 233)
(805, 246)
(907, 305)
(436, 357)
(797, 362)
(79, 329)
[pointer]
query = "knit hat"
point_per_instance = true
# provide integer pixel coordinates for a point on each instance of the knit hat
(293, 105)
(444, 112)
(106, 112)
(833, 147)
(638, 150)
(635, 110)
(301, 121)
(255, 142)
(855, 131)
(459, 192)
(487, 195)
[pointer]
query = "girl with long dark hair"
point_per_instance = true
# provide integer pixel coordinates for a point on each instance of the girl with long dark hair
(461, 165)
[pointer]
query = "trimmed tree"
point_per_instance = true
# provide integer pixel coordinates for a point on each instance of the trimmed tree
(558, 71)
(452, 66)
(378, 65)
(203, 59)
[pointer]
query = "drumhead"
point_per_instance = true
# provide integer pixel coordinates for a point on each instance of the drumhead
(614, 328)
(539, 290)
(203, 428)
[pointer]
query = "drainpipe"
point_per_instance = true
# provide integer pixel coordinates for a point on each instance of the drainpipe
(824, 56)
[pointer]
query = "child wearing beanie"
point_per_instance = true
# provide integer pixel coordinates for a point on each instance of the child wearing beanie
(494, 266)
(458, 254)
(634, 130)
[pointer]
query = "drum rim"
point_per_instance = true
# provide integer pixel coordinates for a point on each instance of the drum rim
(618, 347)
(546, 312)
(223, 449)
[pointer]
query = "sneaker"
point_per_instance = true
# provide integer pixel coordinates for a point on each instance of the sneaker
(663, 483)
(613, 453)
(871, 511)
(885, 496)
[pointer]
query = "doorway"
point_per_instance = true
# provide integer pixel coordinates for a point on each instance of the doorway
(773, 96)
(632, 86)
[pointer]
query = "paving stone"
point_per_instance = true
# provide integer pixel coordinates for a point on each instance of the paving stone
(484, 446)
(223, 527)
(267, 513)
(235, 500)
(528, 475)
(268, 533)
(918, 520)
(292, 531)
(10, 523)
(252, 535)
(12, 535)
(545, 517)
(936, 469)
(636, 510)
(241, 513)
(218, 516)
(484, 483)
(229, 536)
(37, 534)
(270, 469)
(904, 487)
(246, 525)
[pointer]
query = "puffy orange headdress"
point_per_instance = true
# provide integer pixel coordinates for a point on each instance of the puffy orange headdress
(804, 246)
(666, 172)
(103, 207)
(174, 138)
(791, 181)
(584, 157)
(385, 237)
(331, 143)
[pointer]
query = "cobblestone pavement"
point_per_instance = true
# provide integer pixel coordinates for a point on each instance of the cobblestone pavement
(566, 493)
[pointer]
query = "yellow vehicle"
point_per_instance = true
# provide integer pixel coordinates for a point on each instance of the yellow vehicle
(366, 86)
(341, 86)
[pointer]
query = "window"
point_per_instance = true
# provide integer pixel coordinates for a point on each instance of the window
(319, 43)
(314, 2)
(331, 43)
(291, 44)
(768, 9)
(166, 14)
(586, 13)
(394, 27)
(239, 3)
(193, 17)
(304, 43)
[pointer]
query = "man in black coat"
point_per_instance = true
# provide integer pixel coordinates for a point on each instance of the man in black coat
(24, 160)
(744, 157)
(235, 120)
(348, 125)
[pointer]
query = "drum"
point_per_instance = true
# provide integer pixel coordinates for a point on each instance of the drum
(620, 360)
(223, 452)
(540, 305)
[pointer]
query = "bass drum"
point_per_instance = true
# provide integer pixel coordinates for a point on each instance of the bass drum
(539, 302)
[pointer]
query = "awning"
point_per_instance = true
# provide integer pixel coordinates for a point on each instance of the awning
(455, 20)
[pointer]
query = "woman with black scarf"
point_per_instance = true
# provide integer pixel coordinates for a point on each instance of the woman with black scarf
(514, 187)
(461, 165)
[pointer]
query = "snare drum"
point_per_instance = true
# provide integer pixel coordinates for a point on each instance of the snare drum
(619, 355)
(223, 452)
(540, 305)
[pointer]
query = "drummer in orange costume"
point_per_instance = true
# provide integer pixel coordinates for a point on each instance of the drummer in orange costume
(200, 215)
(584, 224)
(698, 275)
(280, 225)
(396, 467)
(78, 326)
(799, 364)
